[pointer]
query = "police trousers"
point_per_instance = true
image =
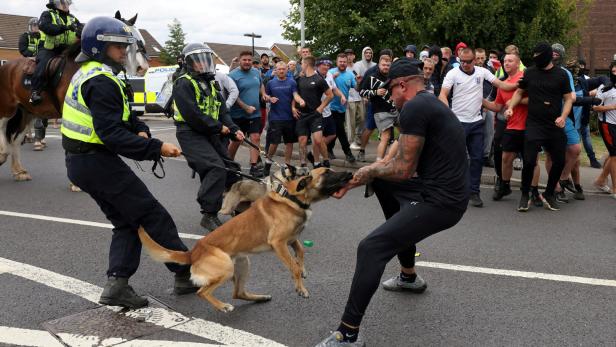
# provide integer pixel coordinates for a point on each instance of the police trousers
(127, 203)
(205, 154)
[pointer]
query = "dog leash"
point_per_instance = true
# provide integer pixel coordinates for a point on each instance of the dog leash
(262, 153)
(236, 172)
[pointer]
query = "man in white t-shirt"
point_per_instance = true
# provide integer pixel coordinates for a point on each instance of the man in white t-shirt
(607, 127)
(355, 109)
(466, 82)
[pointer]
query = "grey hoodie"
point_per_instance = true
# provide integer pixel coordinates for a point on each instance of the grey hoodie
(362, 66)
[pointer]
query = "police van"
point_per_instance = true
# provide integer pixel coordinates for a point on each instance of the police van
(153, 90)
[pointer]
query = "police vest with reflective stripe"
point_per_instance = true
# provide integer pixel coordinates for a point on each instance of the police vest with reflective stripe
(66, 38)
(33, 43)
(77, 121)
(208, 105)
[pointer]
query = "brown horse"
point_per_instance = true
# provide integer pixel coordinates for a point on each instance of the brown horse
(16, 112)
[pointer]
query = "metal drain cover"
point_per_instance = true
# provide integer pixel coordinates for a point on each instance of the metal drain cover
(107, 326)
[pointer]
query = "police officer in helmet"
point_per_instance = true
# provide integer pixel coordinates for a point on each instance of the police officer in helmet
(203, 121)
(97, 129)
(30, 40)
(60, 29)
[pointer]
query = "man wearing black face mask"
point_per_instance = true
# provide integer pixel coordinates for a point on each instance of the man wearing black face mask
(550, 98)
(202, 120)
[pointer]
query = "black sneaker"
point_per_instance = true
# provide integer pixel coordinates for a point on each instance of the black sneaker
(183, 285)
(310, 157)
(326, 164)
(117, 292)
(331, 155)
(566, 184)
(475, 200)
(266, 169)
(549, 202)
(595, 164)
(562, 196)
(350, 157)
(497, 184)
(256, 172)
(536, 199)
(210, 221)
(524, 202)
(579, 193)
(504, 190)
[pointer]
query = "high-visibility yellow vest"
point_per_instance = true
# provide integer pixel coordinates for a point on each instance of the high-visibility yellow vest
(77, 121)
(66, 38)
(208, 105)
(33, 43)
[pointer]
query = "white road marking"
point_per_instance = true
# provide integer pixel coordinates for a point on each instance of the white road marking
(153, 130)
(170, 319)
(522, 274)
(444, 266)
(78, 222)
(27, 337)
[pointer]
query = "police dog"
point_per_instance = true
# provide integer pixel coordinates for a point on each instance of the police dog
(272, 223)
(246, 192)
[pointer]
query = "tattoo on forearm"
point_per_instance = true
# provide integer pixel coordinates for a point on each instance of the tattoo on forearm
(404, 165)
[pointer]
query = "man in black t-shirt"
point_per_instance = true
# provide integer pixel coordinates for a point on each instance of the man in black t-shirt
(433, 145)
(311, 88)
(550, 98)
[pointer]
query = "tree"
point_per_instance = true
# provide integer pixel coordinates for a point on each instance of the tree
(333, 25)
(175, 44)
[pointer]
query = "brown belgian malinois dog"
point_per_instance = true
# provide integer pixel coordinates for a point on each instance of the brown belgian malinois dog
(271, 223)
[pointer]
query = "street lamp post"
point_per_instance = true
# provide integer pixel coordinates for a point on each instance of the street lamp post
(253, 35)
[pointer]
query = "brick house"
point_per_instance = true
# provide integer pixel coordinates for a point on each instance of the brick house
(225, 53)
(598, 45)
(12, 26)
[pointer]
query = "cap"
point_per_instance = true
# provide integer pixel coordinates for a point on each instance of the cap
(349, 51)
(460, 45)
(264, 54)
(403, 67)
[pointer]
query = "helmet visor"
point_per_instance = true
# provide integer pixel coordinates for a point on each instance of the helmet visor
(200, 62)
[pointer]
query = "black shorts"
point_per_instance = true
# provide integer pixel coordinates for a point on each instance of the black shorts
(281, 130)
(513, 141)
(329, 126)
(608, 133)
(309, 123)
(249, 126)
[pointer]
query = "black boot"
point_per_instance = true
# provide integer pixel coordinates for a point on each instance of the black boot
(210, 221)
(183, 285)
(35, 97)
(117, 292)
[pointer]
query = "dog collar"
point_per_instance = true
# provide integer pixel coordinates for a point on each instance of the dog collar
(281, 190)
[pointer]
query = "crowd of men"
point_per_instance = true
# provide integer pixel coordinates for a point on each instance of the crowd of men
(321, 100)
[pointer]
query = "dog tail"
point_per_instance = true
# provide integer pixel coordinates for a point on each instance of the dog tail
(160, 253)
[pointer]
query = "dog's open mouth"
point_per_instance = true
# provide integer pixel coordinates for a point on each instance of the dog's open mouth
(334, 181)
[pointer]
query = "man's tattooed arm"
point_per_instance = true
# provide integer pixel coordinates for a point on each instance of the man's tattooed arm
(401, 167)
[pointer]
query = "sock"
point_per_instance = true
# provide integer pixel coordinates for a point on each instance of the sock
(407, 278)
(348, 334)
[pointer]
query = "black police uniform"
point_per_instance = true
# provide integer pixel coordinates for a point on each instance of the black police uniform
(122, 196)
(202, 143)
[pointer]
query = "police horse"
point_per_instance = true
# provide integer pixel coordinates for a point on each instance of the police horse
(16, 112)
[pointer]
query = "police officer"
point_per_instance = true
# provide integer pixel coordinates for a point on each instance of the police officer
(30, 40)
(202, 121)
(29, 43)
(97, 128)
(60, 30)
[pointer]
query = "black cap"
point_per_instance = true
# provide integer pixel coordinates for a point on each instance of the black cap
(264, 54)
(349, 51)
(403, 67)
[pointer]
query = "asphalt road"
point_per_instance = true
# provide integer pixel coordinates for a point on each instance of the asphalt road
(492, 278)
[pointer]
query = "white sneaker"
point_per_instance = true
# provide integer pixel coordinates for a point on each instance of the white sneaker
(396, 284)
(354, 146)
(336, 340)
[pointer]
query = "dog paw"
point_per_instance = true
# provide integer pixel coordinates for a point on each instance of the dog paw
(227, 308)
(303, 292)
(264, 298)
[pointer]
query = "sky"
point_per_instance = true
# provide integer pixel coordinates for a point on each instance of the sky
(202, 21)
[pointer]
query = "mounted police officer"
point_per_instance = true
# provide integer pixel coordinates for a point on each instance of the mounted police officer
(202, 120)
(30, 40)
(97, 128)
(60, 30)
